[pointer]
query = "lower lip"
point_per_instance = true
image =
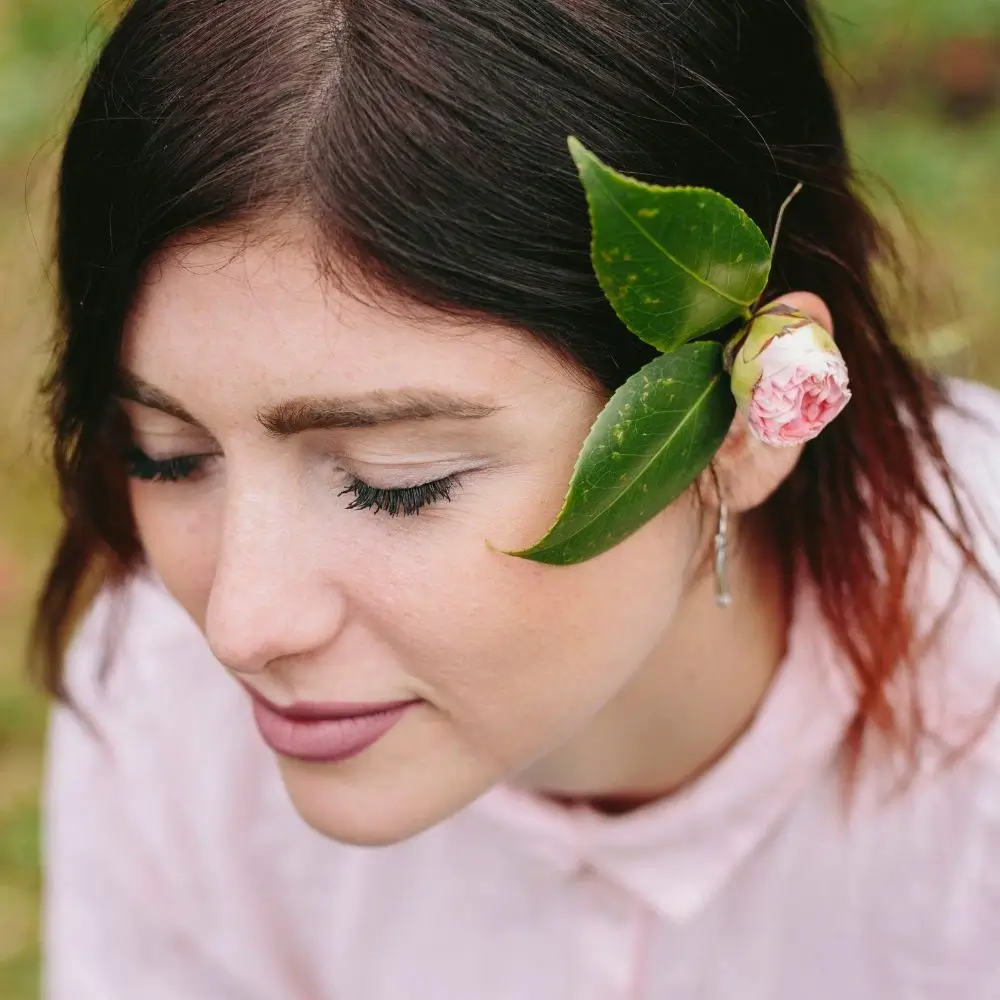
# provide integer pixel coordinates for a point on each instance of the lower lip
(324, 740)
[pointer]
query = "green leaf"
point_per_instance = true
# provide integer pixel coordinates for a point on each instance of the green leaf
(674, 262)
(649, 444)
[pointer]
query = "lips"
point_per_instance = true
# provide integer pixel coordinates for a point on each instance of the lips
(325, 732)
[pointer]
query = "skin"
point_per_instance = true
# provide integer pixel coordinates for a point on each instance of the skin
(616, 675)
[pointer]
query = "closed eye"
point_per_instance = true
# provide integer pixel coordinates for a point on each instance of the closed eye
(400, 501)
(409, 500)
(140, 466)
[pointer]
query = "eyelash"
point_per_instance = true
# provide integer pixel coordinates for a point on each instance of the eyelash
(410, 500)
(168, 470)
(406, 501)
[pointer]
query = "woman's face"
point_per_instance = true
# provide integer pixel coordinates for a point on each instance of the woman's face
(315, 580)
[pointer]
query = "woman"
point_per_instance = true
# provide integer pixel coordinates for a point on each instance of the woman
(324, 267)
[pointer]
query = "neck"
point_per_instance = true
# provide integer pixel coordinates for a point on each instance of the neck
(688, 703)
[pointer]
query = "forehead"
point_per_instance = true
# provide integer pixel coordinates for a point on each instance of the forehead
(220, 316)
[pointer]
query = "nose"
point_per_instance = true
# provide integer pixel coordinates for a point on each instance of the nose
(271, 597)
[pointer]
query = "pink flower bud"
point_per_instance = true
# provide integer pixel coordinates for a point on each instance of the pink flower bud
(788, 377)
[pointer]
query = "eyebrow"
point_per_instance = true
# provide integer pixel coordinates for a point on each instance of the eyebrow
(304, 413)
(130, 386)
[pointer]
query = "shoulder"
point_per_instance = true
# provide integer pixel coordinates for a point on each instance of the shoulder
(156, 725)
(137, 656)
(150, 691)
(957, 614)
(963, 657)
(957, 794)
(937, 844)
(969, 427)
(163, 753)
(135, 623)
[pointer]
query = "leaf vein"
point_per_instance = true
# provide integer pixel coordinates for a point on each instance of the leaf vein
(697, 277)
(691, 413)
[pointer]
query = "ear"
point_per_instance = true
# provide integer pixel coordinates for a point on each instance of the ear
(750, 471)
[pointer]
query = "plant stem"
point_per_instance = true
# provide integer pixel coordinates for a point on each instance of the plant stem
(781, 215)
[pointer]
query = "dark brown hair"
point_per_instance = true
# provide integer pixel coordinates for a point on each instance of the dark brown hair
(424, 140)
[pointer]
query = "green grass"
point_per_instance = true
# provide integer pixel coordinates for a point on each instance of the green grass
(945, 178)
(864, 27)
(944, 173)
(27, 523)
(43, 44)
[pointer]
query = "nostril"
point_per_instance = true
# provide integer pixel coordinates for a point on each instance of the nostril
(250, 627)
(240, 657)
(243, 636)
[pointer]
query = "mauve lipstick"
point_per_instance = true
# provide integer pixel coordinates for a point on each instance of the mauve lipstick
(324, 732)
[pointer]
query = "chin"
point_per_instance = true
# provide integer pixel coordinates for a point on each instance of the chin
(369, 810)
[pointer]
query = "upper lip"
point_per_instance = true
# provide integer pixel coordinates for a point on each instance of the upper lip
(305, 711)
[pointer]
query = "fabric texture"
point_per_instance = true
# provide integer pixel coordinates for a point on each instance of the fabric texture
(177, 868)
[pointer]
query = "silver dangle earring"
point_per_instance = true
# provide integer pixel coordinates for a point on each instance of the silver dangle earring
(723, 597)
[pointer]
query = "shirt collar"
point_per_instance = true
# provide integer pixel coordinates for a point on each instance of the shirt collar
(678, 853)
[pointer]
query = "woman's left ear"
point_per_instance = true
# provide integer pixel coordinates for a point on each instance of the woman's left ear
(750, 471)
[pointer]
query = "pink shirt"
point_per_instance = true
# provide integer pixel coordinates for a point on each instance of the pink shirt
(177, 868)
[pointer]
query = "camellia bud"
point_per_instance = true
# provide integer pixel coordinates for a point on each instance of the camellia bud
(788, 376)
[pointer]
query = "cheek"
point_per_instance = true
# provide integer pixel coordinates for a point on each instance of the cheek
(180, 540)
(520, 655)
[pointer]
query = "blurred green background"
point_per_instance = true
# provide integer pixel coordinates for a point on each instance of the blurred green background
(920, 81)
